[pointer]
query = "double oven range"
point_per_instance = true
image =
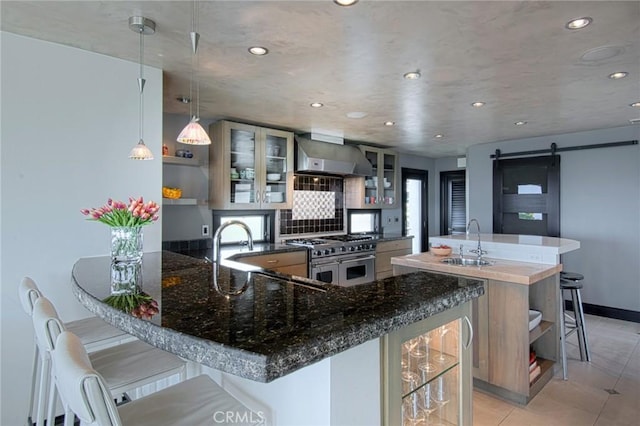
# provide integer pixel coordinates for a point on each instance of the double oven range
(344, 260)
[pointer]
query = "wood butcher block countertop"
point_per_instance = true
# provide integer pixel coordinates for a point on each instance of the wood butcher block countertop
(502, 270)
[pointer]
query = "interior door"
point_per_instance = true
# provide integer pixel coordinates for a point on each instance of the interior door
(526, 196)
(414, 208)
(453, 202)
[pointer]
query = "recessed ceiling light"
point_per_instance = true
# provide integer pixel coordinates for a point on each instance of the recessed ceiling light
(258, 50)
(635, 104)
(576, 24)
(439, 136)
(345, 2)
(477, 104)
(520, 123)
(316, 105)
(389, 123)
(356, 114)
(412, 75)
(618, 75)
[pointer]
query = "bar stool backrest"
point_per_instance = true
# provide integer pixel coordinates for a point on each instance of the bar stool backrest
(46, 323)
(29, 293)
(81, 387)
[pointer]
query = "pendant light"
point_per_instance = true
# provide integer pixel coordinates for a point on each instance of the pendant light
(142, 26)
(193, 133)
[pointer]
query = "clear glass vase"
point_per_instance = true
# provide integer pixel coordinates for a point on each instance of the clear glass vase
(126, 244)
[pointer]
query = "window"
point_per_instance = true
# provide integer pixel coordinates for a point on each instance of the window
(260, 224)
(364, 221)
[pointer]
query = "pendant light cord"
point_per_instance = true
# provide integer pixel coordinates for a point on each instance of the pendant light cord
(194, 26)
(141, 83)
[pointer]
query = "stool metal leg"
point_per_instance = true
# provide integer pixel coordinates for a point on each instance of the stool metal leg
(563, 338)
(578, 329)
(582, 332)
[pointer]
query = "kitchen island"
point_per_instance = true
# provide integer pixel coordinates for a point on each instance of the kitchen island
(501, 357)
(242, 320)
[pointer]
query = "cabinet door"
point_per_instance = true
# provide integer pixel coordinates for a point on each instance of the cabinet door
(388, 178)
(240, 169)
(276, 169)
(428, 372)
(382, 188)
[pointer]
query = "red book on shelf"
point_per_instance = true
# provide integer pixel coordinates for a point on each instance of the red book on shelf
(532, 357)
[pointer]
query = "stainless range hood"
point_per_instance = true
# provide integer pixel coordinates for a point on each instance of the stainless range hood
(314, 156)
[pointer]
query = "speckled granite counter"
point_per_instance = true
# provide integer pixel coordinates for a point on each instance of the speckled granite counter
(274, 326)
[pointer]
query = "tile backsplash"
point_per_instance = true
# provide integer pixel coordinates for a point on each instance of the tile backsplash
(318, 206)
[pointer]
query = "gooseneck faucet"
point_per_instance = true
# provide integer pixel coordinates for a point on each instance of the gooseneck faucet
(218, 235)
(479, 250)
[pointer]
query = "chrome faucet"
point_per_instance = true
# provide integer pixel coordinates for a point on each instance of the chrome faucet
(479, 250)
(218, 234)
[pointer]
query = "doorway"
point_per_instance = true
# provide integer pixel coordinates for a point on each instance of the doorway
(526, 196)
(414, 207)
(453, 202)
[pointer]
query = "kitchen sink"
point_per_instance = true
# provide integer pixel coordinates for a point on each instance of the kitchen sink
(465, 261)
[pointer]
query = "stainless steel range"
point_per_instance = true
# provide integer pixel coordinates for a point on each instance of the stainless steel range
(344, 260)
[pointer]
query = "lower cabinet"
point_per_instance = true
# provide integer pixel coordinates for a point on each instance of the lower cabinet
(426, 371)
(290, 263)
(385, 250)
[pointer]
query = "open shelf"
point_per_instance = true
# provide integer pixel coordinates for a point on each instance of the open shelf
(539, 330)
(182, 161)
(182, 202)
(546, 372)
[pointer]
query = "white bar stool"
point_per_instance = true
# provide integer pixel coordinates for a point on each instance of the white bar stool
(94, 333)
(197, 401)
(124, 367)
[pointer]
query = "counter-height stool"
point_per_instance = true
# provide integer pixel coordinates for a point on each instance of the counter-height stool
(573, 323)
(125, 367)
(197, 401)
(94, 333)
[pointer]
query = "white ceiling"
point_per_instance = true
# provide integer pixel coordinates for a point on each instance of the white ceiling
(517, 56)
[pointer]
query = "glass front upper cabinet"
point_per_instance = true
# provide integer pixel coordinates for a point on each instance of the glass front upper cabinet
(251, 167)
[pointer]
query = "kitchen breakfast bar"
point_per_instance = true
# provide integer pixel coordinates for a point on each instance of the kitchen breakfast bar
(313, 353)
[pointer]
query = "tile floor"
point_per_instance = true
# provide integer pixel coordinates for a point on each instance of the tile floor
(583, 399)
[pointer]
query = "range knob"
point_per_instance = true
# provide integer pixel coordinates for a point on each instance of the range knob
(317, 253)
(352, 248)
(343, 248)
(327, 251)
(360, 247)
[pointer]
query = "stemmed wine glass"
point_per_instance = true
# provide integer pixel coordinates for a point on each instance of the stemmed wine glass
(427, 402)
(409, 377)
(426, 366)
(412, 414)
(439, 395)
(443, 331)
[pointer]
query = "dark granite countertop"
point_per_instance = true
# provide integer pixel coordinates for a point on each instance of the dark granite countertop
(274, 326)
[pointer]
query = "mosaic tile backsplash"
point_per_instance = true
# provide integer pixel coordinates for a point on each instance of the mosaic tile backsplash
(319, 207)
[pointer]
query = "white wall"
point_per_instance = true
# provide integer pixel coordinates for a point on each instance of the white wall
(599, 205)
(69, 119)
(185, 222)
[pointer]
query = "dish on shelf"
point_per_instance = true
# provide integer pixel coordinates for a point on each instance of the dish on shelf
(275, 197)
(273, 177)
(441, 250)
(534, 319)
(387, 184)
(173, 193)
(235, 175)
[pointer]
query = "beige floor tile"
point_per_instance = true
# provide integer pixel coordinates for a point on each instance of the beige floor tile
(489, 411)
(621, 409)
(565, 417)
(569, 393)
(587, 374)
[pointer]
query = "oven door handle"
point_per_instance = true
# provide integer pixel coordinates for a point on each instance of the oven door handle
(358, 259)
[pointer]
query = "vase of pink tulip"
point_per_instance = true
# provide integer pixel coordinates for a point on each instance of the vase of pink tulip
(126, 222)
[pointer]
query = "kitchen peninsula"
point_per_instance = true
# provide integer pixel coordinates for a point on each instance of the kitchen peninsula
(309, 350)
(523, 275)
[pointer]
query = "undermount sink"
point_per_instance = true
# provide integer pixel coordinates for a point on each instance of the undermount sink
(465, 262)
